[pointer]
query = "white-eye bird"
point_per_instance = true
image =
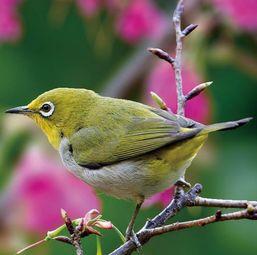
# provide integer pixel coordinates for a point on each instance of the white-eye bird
(124, 148)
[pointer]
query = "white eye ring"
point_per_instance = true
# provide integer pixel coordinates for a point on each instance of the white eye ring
(47, 109)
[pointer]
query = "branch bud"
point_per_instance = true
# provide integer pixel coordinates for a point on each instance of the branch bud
(197, 90)
(161, 54)
(158, 100)
(67, 221)
(189, 29)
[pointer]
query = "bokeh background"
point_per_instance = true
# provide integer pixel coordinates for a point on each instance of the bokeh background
(101, 45)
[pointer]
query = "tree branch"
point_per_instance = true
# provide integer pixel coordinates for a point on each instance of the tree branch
(244, 214)
(181, 199)
(178, 58)
(222, 203)
(156, 225)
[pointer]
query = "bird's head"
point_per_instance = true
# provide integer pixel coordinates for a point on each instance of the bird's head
(58, 112)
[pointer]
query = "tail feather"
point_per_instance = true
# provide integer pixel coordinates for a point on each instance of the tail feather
(225, 126)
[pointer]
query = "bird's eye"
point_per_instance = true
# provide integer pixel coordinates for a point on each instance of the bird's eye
(47, 109)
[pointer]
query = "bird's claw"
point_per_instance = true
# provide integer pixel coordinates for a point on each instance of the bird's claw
(181, 182)
(133, 237)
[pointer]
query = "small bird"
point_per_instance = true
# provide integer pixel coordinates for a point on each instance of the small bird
(123, 148)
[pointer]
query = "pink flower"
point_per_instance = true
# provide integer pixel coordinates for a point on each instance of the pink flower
(93, 218)
(140, 19)
(114, 5)
(10, 27)
(42, 187)
(241, 12)
(89, 7)
(162, 82)
(10, 4)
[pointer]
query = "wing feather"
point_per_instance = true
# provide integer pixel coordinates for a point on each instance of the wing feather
(92, 146)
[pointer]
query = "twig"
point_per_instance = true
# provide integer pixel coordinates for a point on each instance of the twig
(30, 246)
(244, 214)
(178, 58)
(155, 226)
(75, 233)
(180, 200)
(225, 203)
(67, 221)
(176, 62)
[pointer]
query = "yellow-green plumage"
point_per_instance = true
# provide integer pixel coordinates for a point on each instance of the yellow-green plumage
(124, 148)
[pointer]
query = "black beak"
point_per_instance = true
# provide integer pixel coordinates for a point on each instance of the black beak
(19, 110)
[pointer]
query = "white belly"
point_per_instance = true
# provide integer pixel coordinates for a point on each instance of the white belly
(127, 179)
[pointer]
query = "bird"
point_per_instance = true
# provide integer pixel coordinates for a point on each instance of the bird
(124, 148)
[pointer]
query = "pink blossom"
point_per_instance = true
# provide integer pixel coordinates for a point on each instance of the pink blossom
(114, 4)
(10, 26)
(241, 12)
(140, 19)
(89, 7)
(42, 187)
(93, 218)
(10, 4)
(162, 82)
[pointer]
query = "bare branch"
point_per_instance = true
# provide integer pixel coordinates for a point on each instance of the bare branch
(75, 233)
(180, 200)
(244, 214)
(176, 62)
(30, 246)
(222, 203)
(155, 226)
(178, 58)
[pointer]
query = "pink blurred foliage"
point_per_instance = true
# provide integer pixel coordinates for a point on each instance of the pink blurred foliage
(162, 82)
(113, 5)
(138, 20)
(242, 12)
(89, 8)
(10, 24)
(41, 187)
(162, 198)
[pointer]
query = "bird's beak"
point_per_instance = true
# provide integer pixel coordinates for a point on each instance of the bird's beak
(19, 110)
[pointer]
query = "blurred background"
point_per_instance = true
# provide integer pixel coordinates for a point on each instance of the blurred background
(101, 45)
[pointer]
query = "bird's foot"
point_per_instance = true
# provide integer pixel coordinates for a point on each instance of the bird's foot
(181, 182)
(131, 235)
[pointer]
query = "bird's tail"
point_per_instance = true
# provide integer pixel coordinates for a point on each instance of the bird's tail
(224, 126)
